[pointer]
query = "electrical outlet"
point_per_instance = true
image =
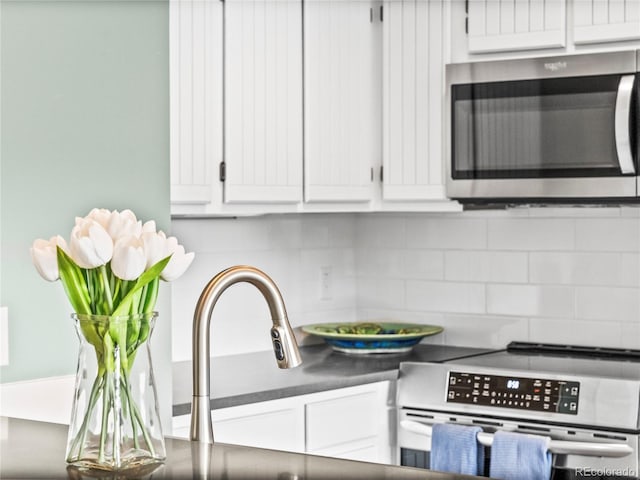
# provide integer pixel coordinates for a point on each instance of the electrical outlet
(4, 336)
(325, 283)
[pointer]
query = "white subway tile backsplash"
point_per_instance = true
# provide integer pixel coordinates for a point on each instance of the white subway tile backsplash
(557, 274)
(531, 234)
(530, 300)
(579, 268)
(421, 264)
(574, 212)
(630, 335)
(381, 292)
(630, 269)
(445, 296)
(315, 234)
(575, 332)
(608, 303)
(485, 266)
(380, 231)
(607, 235)
(551, 267)
(400, 263)
(485, 331)
(447, 233)
(342, 230)
(379, 261)
(284, 232)
(221, 234)
(401, 315)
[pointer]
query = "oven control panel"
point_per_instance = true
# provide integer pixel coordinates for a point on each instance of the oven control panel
(522, 393)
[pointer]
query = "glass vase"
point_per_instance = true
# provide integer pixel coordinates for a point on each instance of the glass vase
(115, 424)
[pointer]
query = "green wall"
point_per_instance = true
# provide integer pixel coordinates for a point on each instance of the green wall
(84, 123)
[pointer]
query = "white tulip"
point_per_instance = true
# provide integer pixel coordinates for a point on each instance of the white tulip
(124, 224)
(179, 262)
(90, 244)
(100, 215)
(129, 259)
(44, 255)
(155, 246)
(149, 227)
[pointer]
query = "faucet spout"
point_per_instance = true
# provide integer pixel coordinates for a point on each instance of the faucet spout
(282, 338)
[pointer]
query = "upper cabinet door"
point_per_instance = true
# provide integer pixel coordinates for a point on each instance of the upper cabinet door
(195, 29)
(606, 20)
(342, 117)
(414, 34)
(503, 25)
(263, 101)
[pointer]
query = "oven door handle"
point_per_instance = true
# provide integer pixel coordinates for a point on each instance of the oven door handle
(621, 132)
(590, 449)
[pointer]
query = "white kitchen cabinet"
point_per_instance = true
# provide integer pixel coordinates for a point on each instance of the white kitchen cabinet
(596, 21)
(504, 25)
(263, 101)
(195, 99)
(236, 104)
(276, 424)
(260, 124)
(414, 39)
(342, 110)
(351, 422)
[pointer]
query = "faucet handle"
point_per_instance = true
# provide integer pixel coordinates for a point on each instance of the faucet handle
(277, 344)
(285, 347)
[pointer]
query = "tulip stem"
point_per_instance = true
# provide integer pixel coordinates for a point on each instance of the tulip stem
(105, 416)
(98, 384)
(107, 288)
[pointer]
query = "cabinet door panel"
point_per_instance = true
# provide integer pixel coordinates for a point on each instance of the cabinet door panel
(413, 91)
(258, 430)
(341, 420)
(342, 99)
(606, 20)
(195, 73)
(263, 101)
(501, 25)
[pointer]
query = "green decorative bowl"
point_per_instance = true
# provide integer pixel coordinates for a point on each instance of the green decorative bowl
(372, 337)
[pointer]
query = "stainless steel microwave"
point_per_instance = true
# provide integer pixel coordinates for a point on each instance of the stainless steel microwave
(557, 129)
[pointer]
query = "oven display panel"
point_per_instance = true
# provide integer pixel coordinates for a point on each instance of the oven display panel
(522, 393)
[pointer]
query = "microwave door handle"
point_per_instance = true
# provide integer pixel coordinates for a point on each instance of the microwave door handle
(622, 134)
(565, 447)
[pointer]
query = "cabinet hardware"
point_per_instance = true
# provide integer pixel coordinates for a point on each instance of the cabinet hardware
(223, 171)
(372, 174)
(382, 13)
(466, 7)
(381, 174)
(466, 25)
(371, 15)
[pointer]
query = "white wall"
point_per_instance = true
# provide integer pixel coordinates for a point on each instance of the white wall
(566, 275)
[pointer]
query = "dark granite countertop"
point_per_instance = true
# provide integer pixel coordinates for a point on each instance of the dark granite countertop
(255, 377)
(36, 450)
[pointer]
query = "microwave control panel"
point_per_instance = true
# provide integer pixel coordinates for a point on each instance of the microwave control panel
(522, 393)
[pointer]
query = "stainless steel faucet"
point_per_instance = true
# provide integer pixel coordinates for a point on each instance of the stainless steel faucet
(284, 343)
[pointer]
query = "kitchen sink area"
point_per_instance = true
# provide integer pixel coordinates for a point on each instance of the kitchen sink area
(409, 239)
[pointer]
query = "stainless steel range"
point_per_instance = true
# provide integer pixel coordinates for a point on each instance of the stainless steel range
(587, 400)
